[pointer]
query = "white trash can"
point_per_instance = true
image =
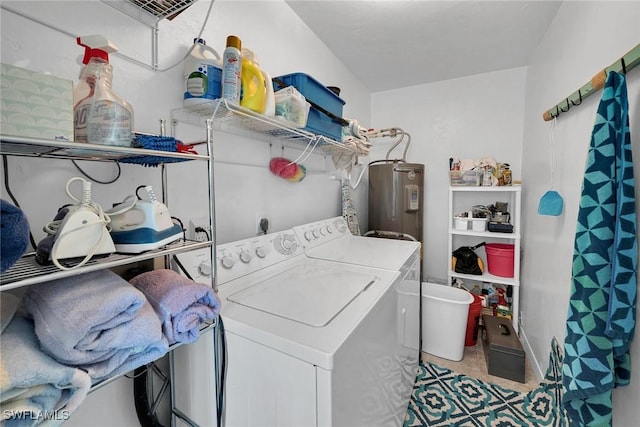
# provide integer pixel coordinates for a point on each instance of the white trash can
(444, 320)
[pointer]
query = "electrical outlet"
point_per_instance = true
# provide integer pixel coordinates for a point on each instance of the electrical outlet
(199, 230)
(259, 217)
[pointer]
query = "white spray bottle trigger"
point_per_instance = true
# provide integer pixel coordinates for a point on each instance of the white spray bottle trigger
(96, 46)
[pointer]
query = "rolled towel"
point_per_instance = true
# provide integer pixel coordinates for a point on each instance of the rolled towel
(14, 234)
(181, 304)
(32, 384)
(96, 321)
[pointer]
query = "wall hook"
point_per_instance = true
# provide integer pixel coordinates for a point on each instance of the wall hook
(568, 106)
(624, 66)
(579, 97)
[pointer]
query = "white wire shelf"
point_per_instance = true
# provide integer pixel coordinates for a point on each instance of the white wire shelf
(26, 271)
(45, 148)
(234, 119)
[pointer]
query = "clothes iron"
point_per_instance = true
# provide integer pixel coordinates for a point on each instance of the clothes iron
(77, 233)
(139, 225)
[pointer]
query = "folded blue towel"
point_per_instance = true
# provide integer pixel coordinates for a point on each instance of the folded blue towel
(14, 234)
(32, 384)
(96, 321)
(181, 304)
(8, 307)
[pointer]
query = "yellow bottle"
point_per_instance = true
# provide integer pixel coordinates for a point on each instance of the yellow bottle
(254, 93)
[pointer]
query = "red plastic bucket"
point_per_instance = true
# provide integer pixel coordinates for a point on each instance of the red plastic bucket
(500, 259)
(473, 321)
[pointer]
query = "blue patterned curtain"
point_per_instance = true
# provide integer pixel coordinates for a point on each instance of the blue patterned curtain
(601, 315)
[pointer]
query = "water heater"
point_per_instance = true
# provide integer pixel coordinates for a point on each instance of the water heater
(396, 197)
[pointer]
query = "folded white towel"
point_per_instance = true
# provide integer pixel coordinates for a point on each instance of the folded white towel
(34, 385)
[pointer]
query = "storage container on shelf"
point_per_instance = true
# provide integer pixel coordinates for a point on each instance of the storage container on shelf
(500, 258)
(318, 94)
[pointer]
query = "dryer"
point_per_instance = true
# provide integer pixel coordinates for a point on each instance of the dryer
(311, 342)
(331, 240)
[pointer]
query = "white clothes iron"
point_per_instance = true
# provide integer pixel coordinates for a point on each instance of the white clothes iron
(139, 225)
(78, 232)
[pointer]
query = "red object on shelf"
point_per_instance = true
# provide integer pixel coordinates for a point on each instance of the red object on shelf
(500, 259)
(473, 321)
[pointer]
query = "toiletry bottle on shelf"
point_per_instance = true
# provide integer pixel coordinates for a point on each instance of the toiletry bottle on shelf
(231, 69)
(253, 83)
(100, 117)
(202, 74)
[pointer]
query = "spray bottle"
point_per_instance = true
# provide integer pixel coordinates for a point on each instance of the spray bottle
(231, 69)
(99, 115)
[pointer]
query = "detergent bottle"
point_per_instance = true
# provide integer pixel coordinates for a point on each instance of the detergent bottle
(202, 74)
(253, 85)
(270, 98)
(231, 70)
(100, 117)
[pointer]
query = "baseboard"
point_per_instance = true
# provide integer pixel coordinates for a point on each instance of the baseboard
(535, 366)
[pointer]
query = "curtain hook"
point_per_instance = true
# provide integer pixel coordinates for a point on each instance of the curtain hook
(579, 97)
(624, 66)
(557, 112)
(568, 106)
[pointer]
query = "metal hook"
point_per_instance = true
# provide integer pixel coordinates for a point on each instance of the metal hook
(624, 66)
(579, 97)
(557, 112)
(568, 106)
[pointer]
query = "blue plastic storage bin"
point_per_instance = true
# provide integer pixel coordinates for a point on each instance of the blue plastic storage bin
(316, 92)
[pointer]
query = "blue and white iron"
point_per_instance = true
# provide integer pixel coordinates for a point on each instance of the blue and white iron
(139, 225)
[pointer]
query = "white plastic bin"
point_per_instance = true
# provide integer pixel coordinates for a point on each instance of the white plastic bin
(444, 320)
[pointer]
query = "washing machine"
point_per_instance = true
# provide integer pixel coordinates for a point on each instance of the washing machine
(310, 342)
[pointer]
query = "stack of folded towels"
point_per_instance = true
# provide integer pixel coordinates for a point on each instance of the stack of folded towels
(181, 304)
(79, 330)
(97, 322)
(31, 382)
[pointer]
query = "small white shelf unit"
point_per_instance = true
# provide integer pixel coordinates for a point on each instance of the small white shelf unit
(513, 195)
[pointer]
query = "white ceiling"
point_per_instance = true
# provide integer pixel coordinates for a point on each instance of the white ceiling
(389, 44)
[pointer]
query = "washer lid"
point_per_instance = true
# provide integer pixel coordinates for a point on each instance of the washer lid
(388, 254)
(306, 293)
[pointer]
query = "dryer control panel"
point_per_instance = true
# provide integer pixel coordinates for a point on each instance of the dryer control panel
(317, 233)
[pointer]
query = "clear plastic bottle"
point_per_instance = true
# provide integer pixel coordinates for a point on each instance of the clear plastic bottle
(101, 117)
(231, 70)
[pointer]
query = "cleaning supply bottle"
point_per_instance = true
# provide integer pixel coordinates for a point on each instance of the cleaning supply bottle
(253, 85)
(101, 117)
(231, 70)
(202, 74)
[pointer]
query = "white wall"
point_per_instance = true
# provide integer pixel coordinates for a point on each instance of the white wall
(468, 118)
(584, 38)
(244, 185)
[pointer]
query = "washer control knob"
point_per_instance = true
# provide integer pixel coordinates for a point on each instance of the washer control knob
(329, 229)
(246, 257)
(315, 233)
(262, 251)
(323, 232)
(205, 268)
(308, 236)
(228, 261)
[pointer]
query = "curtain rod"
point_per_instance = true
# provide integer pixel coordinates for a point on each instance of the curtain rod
(627, 62)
